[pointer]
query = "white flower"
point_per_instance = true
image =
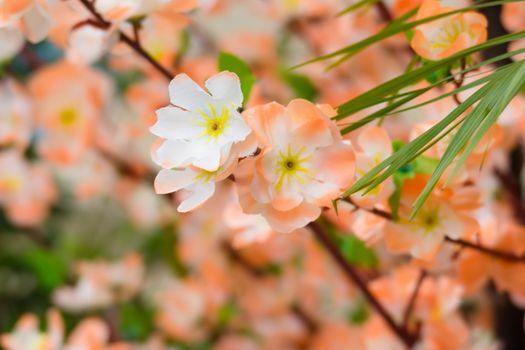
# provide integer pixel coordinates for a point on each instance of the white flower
(28, 16)
(11, 42)
(200, 129)
(199, 184)
(117, 10)
(88, 43)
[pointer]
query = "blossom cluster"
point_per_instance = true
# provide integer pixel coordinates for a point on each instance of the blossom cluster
(167, 184)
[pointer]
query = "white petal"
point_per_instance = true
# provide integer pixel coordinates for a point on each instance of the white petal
(87, 44)
(11, 41)
(175, 154)
(428, 244)
(187, 94)
(247, 147)
(210, 161)
(168, 181)
(175, 123)
(201, 194)
(453, 226)
(226, 87)
(237, 129)
(36, 24)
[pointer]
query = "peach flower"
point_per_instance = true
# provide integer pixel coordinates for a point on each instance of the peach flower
(15, 115)
(183, 307)
(512, 16)
(27, 335)
(303, 165)
(69, 101)
(28, 16)
(376, 146)
(26, 190)
(448, 35)
(102, 283)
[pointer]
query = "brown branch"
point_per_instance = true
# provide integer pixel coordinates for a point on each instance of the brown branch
(378, 212)
(384, 12)
(132, 43)
(32, 59)
(307, 321)
(459, 82)
(36, 236)
(510, 181)
(349, 271)
(478, 247)
(489, 251)
(237, 258)
(257, 272)
(413, 298)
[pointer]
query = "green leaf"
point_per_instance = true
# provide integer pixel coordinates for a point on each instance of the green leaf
(125, 79)
(234, 64)
(301, 85)
(226, 313)
(394, 201)
(411, 150)
(437, 75)
(356, 6)
(47, 267)
(359, 313)
(356, 251)
(136, 321)
(184, 47)
(425, 165)
(396, 27)
(379, 93)
(476, 124)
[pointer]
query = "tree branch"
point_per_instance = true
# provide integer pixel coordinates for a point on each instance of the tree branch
(489, 251)
(132, 43)
(511, 257)
(412, 301)
(323, 238)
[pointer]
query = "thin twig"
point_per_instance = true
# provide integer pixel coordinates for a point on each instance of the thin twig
(132, 43)
(237, 258)
(32, 59)
(480, 248)
(349, 271)
(376, 211)
(459, 82)
(258, 272)
(413, 298)
(489, 251)
(384, 12)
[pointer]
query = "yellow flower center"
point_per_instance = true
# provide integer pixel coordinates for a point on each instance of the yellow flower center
(13, 119)
(206, 176)
(10, 183)
(68, 117)
(428, 219)
(291, 166)
(291, 4)
(214, 124)
(450, 33)
(156, 49)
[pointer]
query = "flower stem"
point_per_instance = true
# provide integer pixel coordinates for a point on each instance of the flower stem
(350, 272)
(511, 257)
(132, 43)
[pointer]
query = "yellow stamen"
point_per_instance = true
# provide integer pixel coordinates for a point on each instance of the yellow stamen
(9, 184)
(68, 117)
(214, 124)
(428, 219)
(206, 176)
(291, 166)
